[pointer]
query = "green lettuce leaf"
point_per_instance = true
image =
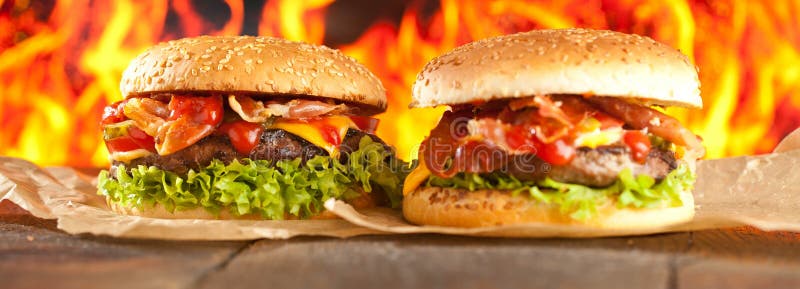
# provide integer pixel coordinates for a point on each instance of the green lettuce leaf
(259, 187)
(581, 202)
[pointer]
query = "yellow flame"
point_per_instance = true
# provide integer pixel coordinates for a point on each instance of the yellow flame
(301, 20)
(71, 62)
(234, 24)
(52, 118)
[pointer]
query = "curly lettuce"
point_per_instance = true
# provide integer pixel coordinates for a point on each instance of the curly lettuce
(579, 201)
(272, 191)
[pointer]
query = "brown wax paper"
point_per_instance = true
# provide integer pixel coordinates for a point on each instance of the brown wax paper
(762, 191)
(70, 197)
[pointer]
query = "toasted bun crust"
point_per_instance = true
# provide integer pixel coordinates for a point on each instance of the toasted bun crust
(567, 61)
(461, 208)
(256, 65)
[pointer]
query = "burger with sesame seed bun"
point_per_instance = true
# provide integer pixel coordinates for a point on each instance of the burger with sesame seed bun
(245, 127)
(556, 127)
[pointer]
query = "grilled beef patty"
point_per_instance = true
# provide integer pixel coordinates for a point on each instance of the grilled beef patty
(195, 156)
(277, 144)
(274, 145)
(597, 167)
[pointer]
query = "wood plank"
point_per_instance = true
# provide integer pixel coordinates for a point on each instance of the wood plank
(706, 273)
(13, 214)
(742, 257)
(747, 243)
(432, 261)
(658, 243)
(44, 257)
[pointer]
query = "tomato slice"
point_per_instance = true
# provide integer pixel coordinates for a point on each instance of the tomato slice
(140, 137)
(121, 144)
(365, 123)
(639, 144)
(135, 139)
(243, 135)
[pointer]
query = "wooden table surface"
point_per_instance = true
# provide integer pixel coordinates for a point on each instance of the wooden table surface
(34, 254)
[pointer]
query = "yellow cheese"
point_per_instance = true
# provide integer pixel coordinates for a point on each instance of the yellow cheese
(128, 156)
(598, 137)
(311, 131)
(414, 179)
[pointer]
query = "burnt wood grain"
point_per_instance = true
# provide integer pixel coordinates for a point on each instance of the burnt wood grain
(432, 261)
(35, 254)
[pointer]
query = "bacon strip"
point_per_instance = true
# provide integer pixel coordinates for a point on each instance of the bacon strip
(170, 134)
(640, 117)
(249, 109)
(546, 108)
(301, 108)
(252, 110)
(149, 115)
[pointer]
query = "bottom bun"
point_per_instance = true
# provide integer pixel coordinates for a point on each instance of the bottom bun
(460, 208)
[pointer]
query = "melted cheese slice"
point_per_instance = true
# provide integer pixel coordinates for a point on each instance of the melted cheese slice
(597, 137)
(415, 179)
(312, 133)
(127, 157)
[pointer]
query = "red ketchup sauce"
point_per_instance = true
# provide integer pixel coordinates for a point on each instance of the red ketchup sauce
(639, 144)
(244, 135)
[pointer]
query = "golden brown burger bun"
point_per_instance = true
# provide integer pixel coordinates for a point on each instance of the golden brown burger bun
(253, 65)
(567, 61)
(461, 208)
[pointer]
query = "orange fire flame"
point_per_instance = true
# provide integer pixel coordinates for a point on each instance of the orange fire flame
(59, 66)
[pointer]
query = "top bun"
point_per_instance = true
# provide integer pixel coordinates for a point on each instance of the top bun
(255, 65)
(566, 61)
